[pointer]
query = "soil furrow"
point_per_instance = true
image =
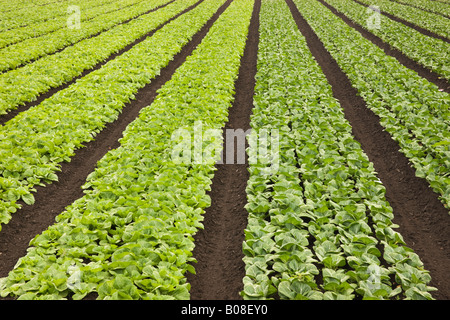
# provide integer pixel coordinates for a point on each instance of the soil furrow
(422, 71)
(11, 114)
(409, 24)
(424, 222)
(51, 200)
(218, 247)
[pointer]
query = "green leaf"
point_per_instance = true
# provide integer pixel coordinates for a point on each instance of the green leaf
(182, 292)
(28, 198)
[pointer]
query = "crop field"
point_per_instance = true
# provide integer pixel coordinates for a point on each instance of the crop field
(224, 149)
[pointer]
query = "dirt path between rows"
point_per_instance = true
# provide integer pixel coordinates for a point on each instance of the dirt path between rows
(218, 247)
(52, 199)
(424, 222)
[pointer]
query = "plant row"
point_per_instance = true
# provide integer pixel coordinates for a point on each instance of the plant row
(35, 142)
(411, 109)
(36, 15)
(319, 227)
(427, 20)
(33, 30)
(31, 49)
(130, 236)
(25, 84)
(427, 5)
(8, 6)
(430, 52)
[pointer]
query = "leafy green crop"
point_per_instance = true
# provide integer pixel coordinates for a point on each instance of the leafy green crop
(34, 143)
(427, 51)
(32, 23)
(427, 20)
(411, 109)
(31, 49)
(320, 227)
(433, 6)
(21, 14)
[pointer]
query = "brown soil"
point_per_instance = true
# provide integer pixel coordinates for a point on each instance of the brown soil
(51, 200)
(218, 247)
(424, 222)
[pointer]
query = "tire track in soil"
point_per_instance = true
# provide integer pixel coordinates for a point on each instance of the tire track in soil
(424, 222)
(422, 71)
(11, 114)
(218, 247)
(410, 24)
(52, 199)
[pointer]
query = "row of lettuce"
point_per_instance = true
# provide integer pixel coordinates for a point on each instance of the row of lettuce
(319, 227)
(427, 51)
(413, 110)
(130, 236)
(319, 224)
(25, 84)
(35, 142)
(21, 26)
(23, 52)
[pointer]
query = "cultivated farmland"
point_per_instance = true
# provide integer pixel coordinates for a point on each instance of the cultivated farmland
(224, 149)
